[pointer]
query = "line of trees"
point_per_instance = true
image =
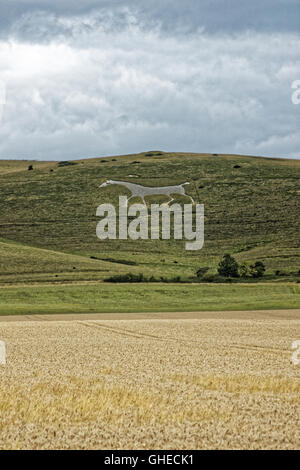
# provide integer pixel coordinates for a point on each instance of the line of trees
(229, 267)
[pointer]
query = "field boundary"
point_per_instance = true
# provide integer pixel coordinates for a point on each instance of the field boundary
(284, 314)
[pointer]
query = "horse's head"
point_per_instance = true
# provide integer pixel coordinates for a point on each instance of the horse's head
(106, 183)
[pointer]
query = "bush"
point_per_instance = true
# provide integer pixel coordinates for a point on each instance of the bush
(228, 266)
(118, 261)
(153, 154)
(67, 163)
(130, 277)
(201, 272)
(209, 278)
(257, 269)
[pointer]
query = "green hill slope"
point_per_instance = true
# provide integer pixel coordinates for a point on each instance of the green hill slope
(252, 208)
(27, 264)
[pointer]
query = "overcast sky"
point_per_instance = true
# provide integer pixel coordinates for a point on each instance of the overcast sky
(94, 78)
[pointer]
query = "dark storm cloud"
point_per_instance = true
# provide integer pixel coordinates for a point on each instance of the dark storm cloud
(214, 16)
(110, 77)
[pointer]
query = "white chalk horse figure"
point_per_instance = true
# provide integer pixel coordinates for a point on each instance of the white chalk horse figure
(142, 191)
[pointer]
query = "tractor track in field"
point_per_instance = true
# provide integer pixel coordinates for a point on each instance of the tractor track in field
(134, 334)
(121, 331)
(189, 342)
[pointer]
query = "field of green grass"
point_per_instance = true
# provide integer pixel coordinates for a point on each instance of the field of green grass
(102, 298)
(48, 233)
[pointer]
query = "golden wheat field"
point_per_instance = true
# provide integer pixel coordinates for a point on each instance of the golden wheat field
(191, 383)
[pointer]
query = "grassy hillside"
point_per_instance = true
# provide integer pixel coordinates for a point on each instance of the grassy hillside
(26, 264)
(252, 208)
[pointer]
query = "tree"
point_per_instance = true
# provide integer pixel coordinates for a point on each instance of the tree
(257, 269)
(244, 270)
(228, 266)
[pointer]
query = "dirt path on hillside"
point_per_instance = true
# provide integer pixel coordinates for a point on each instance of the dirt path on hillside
(289, 314)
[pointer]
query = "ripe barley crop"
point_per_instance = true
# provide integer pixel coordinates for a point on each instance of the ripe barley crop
(208, 383)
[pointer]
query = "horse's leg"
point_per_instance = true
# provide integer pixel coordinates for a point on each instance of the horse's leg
(190, 197)
(127, 200)
(169, 202)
